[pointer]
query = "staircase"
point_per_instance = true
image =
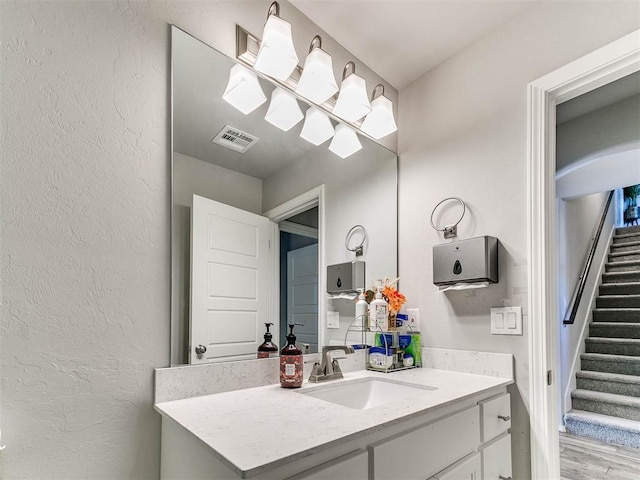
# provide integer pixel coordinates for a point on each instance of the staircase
(606, 403)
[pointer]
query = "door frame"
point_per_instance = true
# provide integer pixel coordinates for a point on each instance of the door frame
(305, 201)
(603, 66)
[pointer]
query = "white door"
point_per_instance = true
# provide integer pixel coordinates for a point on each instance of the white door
(230, 281)
(302, 294)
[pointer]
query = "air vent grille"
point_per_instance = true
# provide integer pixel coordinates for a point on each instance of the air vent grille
(235, 139)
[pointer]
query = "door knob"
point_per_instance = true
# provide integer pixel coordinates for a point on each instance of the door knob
(200, 349)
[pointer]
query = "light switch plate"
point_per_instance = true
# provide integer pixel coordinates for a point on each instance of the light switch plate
(506, 321)
(333, 319)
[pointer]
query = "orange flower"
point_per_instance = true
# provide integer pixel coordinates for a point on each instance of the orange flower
(394, 298)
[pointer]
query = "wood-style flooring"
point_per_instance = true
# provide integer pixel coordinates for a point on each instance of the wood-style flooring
(587, 459)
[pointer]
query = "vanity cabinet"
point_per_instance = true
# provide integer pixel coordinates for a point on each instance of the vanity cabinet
(466, 440)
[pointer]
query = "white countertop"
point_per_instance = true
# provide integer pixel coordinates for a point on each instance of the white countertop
(240, 426)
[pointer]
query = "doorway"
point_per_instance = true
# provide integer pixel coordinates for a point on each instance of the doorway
(603, 66)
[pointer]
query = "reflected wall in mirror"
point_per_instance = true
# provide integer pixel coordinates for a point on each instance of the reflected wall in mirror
(253, 231)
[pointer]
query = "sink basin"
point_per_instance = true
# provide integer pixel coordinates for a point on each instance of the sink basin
(366, 393)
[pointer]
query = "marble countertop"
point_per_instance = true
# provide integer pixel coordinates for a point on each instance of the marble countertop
(257, 416)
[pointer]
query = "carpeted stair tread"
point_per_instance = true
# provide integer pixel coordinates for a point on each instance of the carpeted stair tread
(602, 397)
(613, 346)
(608, 429)
(621, 277)
(627, 288)
(624, 247)
(612, 377)
(629, 315)
(609, 358)
(623, 256)
(630, 229)
(614, 330)
(626, 238)
(614, 383)
(604, 362)
(622, 406)
(623, 266)
(618, 301)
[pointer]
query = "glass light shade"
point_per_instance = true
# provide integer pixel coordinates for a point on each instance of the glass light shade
(353, 101)
(317, 127)
(284, 111)
(277, 56)
(243, 90)
(317, 82)
(380, 122)
(345, 142)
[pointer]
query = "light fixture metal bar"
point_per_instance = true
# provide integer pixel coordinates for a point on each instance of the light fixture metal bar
(247, 47)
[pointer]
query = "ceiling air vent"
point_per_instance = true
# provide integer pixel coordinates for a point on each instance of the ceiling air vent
(235, 139)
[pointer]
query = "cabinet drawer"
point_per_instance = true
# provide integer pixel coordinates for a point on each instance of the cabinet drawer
(422, 452)
(496, 459)
(353, 465)
(469, 468)
(496, 416)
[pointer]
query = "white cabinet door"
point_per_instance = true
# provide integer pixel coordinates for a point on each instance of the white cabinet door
(353, 466)
(230, 280)
(496, 416)
(469, 468)
(496, 459)
(424, 451)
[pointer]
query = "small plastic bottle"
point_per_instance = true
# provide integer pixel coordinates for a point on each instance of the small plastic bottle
(362, 310)
(379, 313)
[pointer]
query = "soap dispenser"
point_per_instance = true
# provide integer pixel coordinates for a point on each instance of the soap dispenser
(267, 349)
(379, 313)
(291, 362)
(362, 308)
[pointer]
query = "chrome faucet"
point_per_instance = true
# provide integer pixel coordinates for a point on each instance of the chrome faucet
(329, 369)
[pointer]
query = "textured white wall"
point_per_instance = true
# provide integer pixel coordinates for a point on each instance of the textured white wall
(85, 195)
(463, 133)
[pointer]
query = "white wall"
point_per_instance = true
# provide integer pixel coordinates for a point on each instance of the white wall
(463, 133)
(85, 195)
(578, 221)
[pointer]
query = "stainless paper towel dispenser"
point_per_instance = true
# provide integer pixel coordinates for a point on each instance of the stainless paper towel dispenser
(466, 261)
(345, 277)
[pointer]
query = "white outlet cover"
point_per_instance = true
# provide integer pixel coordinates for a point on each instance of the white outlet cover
(413, 315)
(506, 321)
(333, 319)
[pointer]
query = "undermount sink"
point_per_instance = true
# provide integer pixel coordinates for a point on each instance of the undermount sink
(366, 393)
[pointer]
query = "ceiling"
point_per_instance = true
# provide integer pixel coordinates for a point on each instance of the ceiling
(401, 40)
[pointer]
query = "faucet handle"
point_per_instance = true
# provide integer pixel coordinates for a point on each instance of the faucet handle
(336, 366)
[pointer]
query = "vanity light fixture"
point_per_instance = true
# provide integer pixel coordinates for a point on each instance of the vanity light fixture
(317, 127)
(380, 122)
(345, 142)
(353, 100)
(317, 82)
(243, 90)
(284, 111)
(277, 55)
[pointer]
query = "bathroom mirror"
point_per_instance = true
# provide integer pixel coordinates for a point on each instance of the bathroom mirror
(295, 199)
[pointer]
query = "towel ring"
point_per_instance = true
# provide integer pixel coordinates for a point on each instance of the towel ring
(360, 248)
(450, 231)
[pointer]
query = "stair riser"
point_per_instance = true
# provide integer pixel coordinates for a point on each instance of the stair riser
(629, 257)
(620, 277)
(616, 302)
(626, 230)
(614, 331)
(613, 349)
(622, 267)
(612, 409)
(621, 240)
(623, 368)
(618, 388)
(621, 247)
(628, 316)
(604, 434)
(622, 289)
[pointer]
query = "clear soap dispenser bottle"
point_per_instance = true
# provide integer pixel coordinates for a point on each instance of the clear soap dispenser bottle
(291, 362)
(379, 313)
(362, 310)
(267, 349)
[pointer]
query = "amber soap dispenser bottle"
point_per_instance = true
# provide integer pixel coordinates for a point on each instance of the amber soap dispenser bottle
(291, 362)
(267, 349)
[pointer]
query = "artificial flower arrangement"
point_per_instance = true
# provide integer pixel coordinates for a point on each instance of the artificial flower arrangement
(393, 297)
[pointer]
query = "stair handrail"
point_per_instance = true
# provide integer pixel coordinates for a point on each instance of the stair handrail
(572, 310)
